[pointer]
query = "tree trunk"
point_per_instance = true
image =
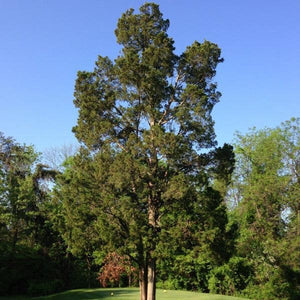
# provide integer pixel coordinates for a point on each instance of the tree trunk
(89, 272)
(151, 261)
(151, 294)
(143, 283)
(14, 240)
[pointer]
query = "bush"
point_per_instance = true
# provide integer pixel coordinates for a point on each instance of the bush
(231, 278)
(28, 271)
(275, 287)
(169, 284)
(184, 272)
(42, 288)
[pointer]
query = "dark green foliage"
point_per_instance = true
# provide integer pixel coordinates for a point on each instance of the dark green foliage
(33, 272)
(25, 230)
(44, 287)
(74, 217)
(231, 278)
(33, 256)
(277, 286)
(199, 239)
(185, 271)
(145, 116)
(25, 268)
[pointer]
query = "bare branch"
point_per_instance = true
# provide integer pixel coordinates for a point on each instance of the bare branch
(121, 146)
(166, 112)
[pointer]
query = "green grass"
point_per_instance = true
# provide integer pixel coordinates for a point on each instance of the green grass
(125, 294)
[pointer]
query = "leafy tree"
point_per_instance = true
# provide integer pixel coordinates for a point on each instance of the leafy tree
(145, 118)
(266, 185)
(17, 188)
(74, 218)
(26, 234)
(199, 238)
(114, 267)
(231, 277)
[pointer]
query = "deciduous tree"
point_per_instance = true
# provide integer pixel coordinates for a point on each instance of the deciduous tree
(267, 190)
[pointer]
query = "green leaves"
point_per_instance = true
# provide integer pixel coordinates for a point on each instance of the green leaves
(266, 184)
(198, 63)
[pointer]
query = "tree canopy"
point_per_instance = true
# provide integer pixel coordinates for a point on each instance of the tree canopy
(266, 191)
(146, 116)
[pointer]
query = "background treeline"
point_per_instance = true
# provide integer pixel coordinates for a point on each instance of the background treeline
(240, 238)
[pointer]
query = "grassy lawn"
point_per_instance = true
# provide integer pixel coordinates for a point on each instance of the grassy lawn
(123, 293)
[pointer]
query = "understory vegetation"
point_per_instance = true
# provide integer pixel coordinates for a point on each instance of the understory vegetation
(248, 247)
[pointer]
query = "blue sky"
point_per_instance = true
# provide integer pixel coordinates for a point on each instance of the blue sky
(44, 43)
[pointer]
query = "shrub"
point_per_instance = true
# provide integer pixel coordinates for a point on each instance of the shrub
(230, 278)
(184, 272)
(42, 288)
(116, 271)
(275, 287)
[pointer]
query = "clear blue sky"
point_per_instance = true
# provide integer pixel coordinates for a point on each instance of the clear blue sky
(43, 43)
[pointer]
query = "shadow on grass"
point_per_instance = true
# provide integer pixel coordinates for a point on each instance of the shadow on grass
(94, 294)
(123, 294)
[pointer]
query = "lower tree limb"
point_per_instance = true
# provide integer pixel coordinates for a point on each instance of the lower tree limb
(89, 272)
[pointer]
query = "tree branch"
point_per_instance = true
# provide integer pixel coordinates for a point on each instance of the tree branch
(163, 119)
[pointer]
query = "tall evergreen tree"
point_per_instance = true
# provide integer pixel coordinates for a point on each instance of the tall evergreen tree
(146, 117)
